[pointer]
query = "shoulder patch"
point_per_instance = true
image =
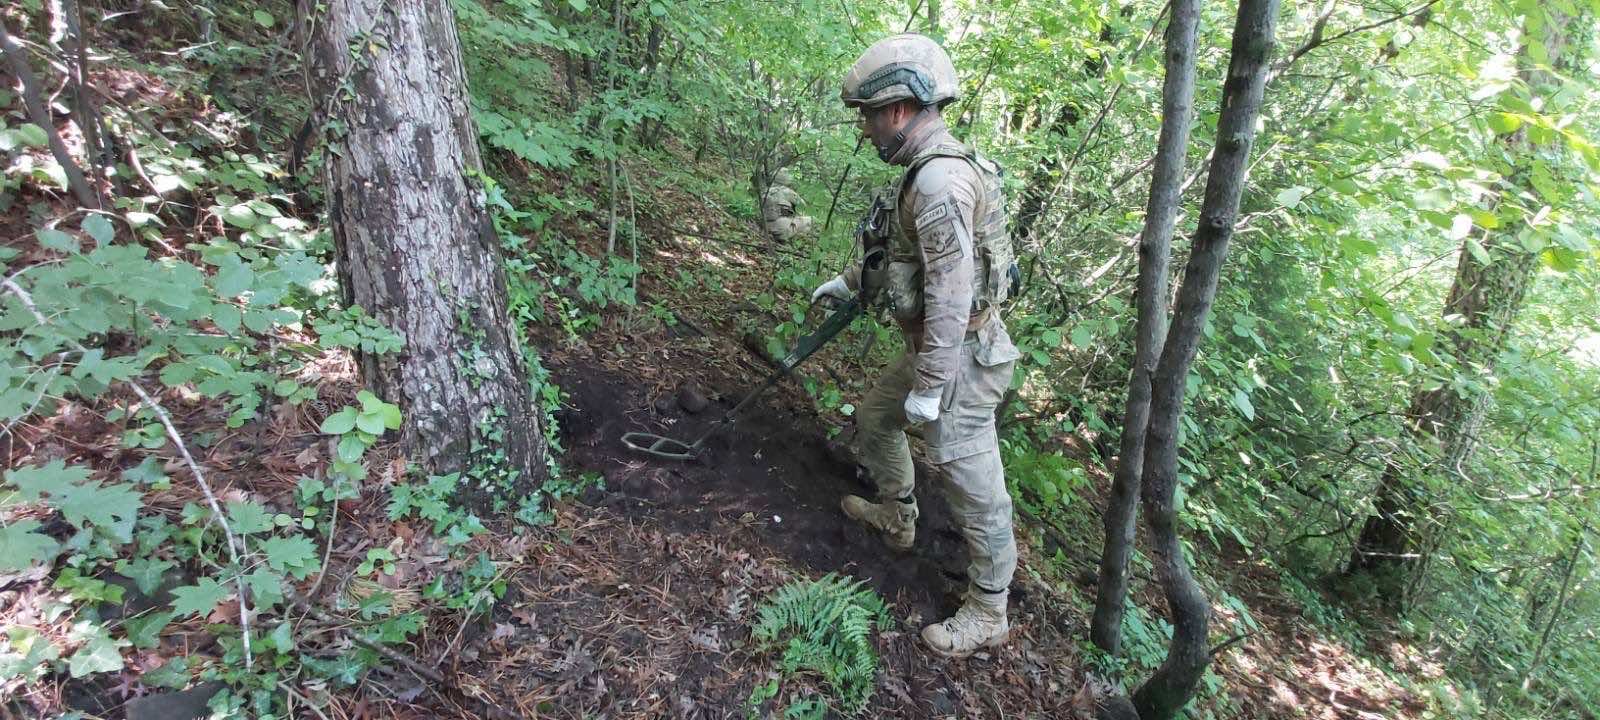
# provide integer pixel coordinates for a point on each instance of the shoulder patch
(939, 232)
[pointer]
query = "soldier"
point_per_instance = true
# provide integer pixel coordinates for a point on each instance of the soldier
(949, 267)
(778, 209)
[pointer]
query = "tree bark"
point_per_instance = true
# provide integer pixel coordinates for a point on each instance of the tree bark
(1166, 692)
(1487, 295)
(415, 244)
(1155, 251)
(39, 114)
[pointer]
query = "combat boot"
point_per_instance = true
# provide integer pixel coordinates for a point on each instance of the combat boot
(896, 519)
(980, 623)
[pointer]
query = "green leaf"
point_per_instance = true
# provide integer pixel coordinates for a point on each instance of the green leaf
(21, 548)
(1242, 402)
(99, 228)
(291, 554)
(283, 638)
(201, 598)
(147, 472)
(1504, 123)
(350, 448)
(56, 240)
(227, 317)
(1355, 246)
(113, 508)
(248, 517)
(98, 654)
(1291, 197)
(371, 423)
(145, 572)
(32, 481)
(266, 587)
(173, 674)
(240, 216)
(31, 654)
(233, 278)
(391, 416)
(144, 631)
(340, 422)
(263, 18)
(369, 401)
(1081, 337)
(1477, 250)
(32, 135)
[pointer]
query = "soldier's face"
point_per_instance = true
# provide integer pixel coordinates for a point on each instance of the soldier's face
(881, 124)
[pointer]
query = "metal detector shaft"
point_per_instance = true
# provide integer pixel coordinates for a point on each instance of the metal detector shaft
(665, 447)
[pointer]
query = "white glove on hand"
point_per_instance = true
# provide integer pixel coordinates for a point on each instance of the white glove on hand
(923, 407)
(835, 288)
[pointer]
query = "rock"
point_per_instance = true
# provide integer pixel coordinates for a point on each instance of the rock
(691, 399)
(186, 705)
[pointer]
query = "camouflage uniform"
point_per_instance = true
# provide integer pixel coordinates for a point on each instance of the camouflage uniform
(780, 214)
(948, 272)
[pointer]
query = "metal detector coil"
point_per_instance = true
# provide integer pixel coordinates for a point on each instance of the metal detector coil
(670, 449)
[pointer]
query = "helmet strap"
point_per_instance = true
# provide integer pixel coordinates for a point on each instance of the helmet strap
(922, 115)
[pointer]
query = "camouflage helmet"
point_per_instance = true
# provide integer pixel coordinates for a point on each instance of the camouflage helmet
(901, 67)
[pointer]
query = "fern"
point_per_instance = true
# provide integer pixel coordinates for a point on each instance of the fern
(825, 626)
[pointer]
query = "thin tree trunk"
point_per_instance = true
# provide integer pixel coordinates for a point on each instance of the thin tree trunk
(1555, 613)
(415, 244)
(1166, 692)
(39, 114)
(1155, 251)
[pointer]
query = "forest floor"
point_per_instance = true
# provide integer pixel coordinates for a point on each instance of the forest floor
(642, 607)
(637, 601)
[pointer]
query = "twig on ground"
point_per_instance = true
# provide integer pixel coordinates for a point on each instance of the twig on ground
(236, 547)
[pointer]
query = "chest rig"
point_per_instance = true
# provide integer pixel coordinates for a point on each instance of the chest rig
(892, 272)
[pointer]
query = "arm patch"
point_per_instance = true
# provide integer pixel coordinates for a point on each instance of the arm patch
(939, 231)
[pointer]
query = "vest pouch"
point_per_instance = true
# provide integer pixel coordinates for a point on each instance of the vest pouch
(994, 345)
(903, 289)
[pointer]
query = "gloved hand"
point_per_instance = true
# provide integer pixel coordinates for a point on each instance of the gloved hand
(923, 406)
(835, 288)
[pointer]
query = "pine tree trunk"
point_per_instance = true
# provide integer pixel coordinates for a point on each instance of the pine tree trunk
(1166, 692)
(1487, 295)
(1155, 251)
(415, 244)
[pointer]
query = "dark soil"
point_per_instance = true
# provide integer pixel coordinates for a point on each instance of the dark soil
(774, 472)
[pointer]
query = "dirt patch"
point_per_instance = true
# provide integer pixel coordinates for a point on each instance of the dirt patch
(773, 477)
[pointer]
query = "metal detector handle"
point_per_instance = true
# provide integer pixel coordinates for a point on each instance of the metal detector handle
(837, 321)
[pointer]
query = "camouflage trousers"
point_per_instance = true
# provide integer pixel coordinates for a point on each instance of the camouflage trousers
(787, 228)
(964, 448)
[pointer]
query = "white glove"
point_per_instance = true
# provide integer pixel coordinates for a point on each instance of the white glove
(923, 407)
(835, 288)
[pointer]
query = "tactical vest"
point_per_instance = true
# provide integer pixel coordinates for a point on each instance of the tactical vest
(993, 268)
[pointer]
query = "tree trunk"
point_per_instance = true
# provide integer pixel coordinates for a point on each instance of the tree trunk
(1166, 692)
(415, 244)
(1492, 278)
(1155, 250)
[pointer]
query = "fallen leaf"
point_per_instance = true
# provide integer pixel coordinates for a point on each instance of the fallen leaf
(503, 631)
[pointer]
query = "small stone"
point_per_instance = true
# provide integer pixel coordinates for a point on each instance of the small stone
(187, 705)
(691, 399)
